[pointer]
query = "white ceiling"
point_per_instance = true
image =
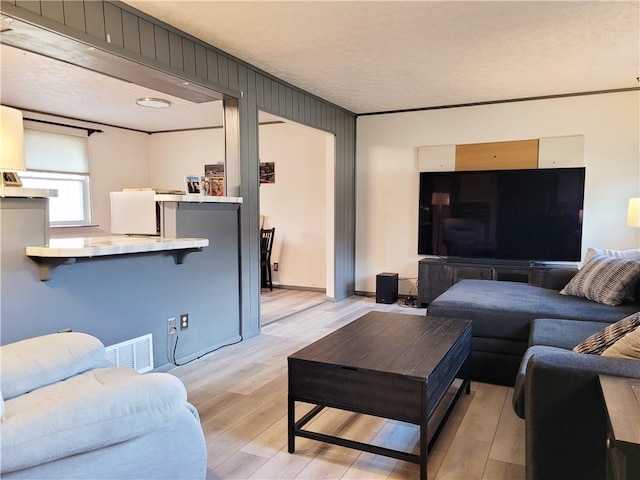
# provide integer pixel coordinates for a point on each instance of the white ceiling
(37, 83)
(375, 56)
(366, 56)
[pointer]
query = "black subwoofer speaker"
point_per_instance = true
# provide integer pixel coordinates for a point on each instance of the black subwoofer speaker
(387, 287)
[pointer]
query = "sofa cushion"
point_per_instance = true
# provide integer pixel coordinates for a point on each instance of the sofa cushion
(504, 310)
(600, 341)
(92, 410)
(627, 347)
(40, 361)
(562, 333)
(604, 279)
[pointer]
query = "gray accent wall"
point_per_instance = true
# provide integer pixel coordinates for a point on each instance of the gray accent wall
(120, 297)
(131, 36)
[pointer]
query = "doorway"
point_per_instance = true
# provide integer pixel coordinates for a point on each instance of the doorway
(298, 200)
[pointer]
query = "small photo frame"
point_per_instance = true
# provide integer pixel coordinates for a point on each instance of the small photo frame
(11, 179)
(193, 184)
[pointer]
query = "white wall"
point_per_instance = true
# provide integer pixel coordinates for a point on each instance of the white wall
(387, 169)
(118, 159)
(296, 203)
(175, 155)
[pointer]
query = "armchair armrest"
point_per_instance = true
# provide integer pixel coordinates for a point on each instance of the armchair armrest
(565, 416)
(39, 361)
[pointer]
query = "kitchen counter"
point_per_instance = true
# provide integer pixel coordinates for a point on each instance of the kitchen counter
(65, 251)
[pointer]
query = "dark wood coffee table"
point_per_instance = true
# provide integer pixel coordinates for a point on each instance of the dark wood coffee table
(388, 365)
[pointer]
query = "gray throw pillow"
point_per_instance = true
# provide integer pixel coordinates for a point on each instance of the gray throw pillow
(600, 341)
(604, 279)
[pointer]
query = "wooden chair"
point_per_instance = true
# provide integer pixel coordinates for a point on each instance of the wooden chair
(266, 245)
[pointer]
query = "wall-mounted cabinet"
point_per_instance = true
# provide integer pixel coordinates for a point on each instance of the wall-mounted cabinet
(561, 152)
(497, 155)
(437, 158)
(548, 152)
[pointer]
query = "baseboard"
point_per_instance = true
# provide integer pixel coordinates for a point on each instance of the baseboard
(296, 287)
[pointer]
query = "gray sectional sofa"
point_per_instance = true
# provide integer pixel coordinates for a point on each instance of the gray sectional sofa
(558, 394)
(502, 312)
(523, 336)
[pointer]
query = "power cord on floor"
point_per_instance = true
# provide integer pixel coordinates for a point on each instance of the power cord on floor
(171, 352)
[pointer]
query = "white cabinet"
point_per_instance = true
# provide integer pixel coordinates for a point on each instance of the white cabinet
(561, 152)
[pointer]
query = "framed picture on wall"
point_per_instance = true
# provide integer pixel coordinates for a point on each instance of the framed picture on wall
(267, 172)
(11, 179)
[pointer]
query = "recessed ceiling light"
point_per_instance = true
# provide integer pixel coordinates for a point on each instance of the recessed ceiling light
(153, 102)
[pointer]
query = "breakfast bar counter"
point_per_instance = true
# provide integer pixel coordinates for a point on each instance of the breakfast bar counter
(65, 251)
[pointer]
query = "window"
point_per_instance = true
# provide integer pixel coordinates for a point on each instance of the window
(57, 158)
(72, 205)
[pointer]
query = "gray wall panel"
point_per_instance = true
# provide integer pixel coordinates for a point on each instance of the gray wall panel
(30, 5)
(212, 67)
(233, 76)
(113, 24)
(289, 102)
(189, 56)
(74, 15)
(259, 90)
(250, 212)
(130, 32)
(228, 75)
(54, 10)
(147, 39)
(94, 17)
(161, 36)
(201, 61)
(223, 71)
(175, 51)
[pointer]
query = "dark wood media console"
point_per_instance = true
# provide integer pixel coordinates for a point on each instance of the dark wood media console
(436, 275)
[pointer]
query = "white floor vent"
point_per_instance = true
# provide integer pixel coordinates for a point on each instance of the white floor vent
(136, 353)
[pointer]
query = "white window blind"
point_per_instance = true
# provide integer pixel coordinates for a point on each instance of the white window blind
(56, 149)
(57, 157)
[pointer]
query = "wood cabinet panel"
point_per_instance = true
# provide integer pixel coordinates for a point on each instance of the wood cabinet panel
(433, 279)
(497, 155)
(472, 273)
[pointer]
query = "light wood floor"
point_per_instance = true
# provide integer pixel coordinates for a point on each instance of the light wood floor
(241, 394)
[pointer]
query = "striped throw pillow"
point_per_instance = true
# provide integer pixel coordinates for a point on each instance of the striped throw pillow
(600, 341)
(604, 279)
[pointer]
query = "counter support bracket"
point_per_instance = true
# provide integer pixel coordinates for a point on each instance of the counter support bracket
(46, 265)
(178, 255)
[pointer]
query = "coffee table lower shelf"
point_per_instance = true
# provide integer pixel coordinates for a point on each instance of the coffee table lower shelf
(430, 433)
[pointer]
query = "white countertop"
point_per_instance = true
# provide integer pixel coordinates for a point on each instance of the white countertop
(191, 197)
(111, 245)
(7, 191)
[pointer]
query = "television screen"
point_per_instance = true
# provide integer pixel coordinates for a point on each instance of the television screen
(523, 215)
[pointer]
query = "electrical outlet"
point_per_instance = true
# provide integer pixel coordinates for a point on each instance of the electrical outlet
(184, 321)
(171, 326)
(275, 266)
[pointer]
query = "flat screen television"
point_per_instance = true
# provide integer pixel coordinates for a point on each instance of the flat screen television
(522, 216)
